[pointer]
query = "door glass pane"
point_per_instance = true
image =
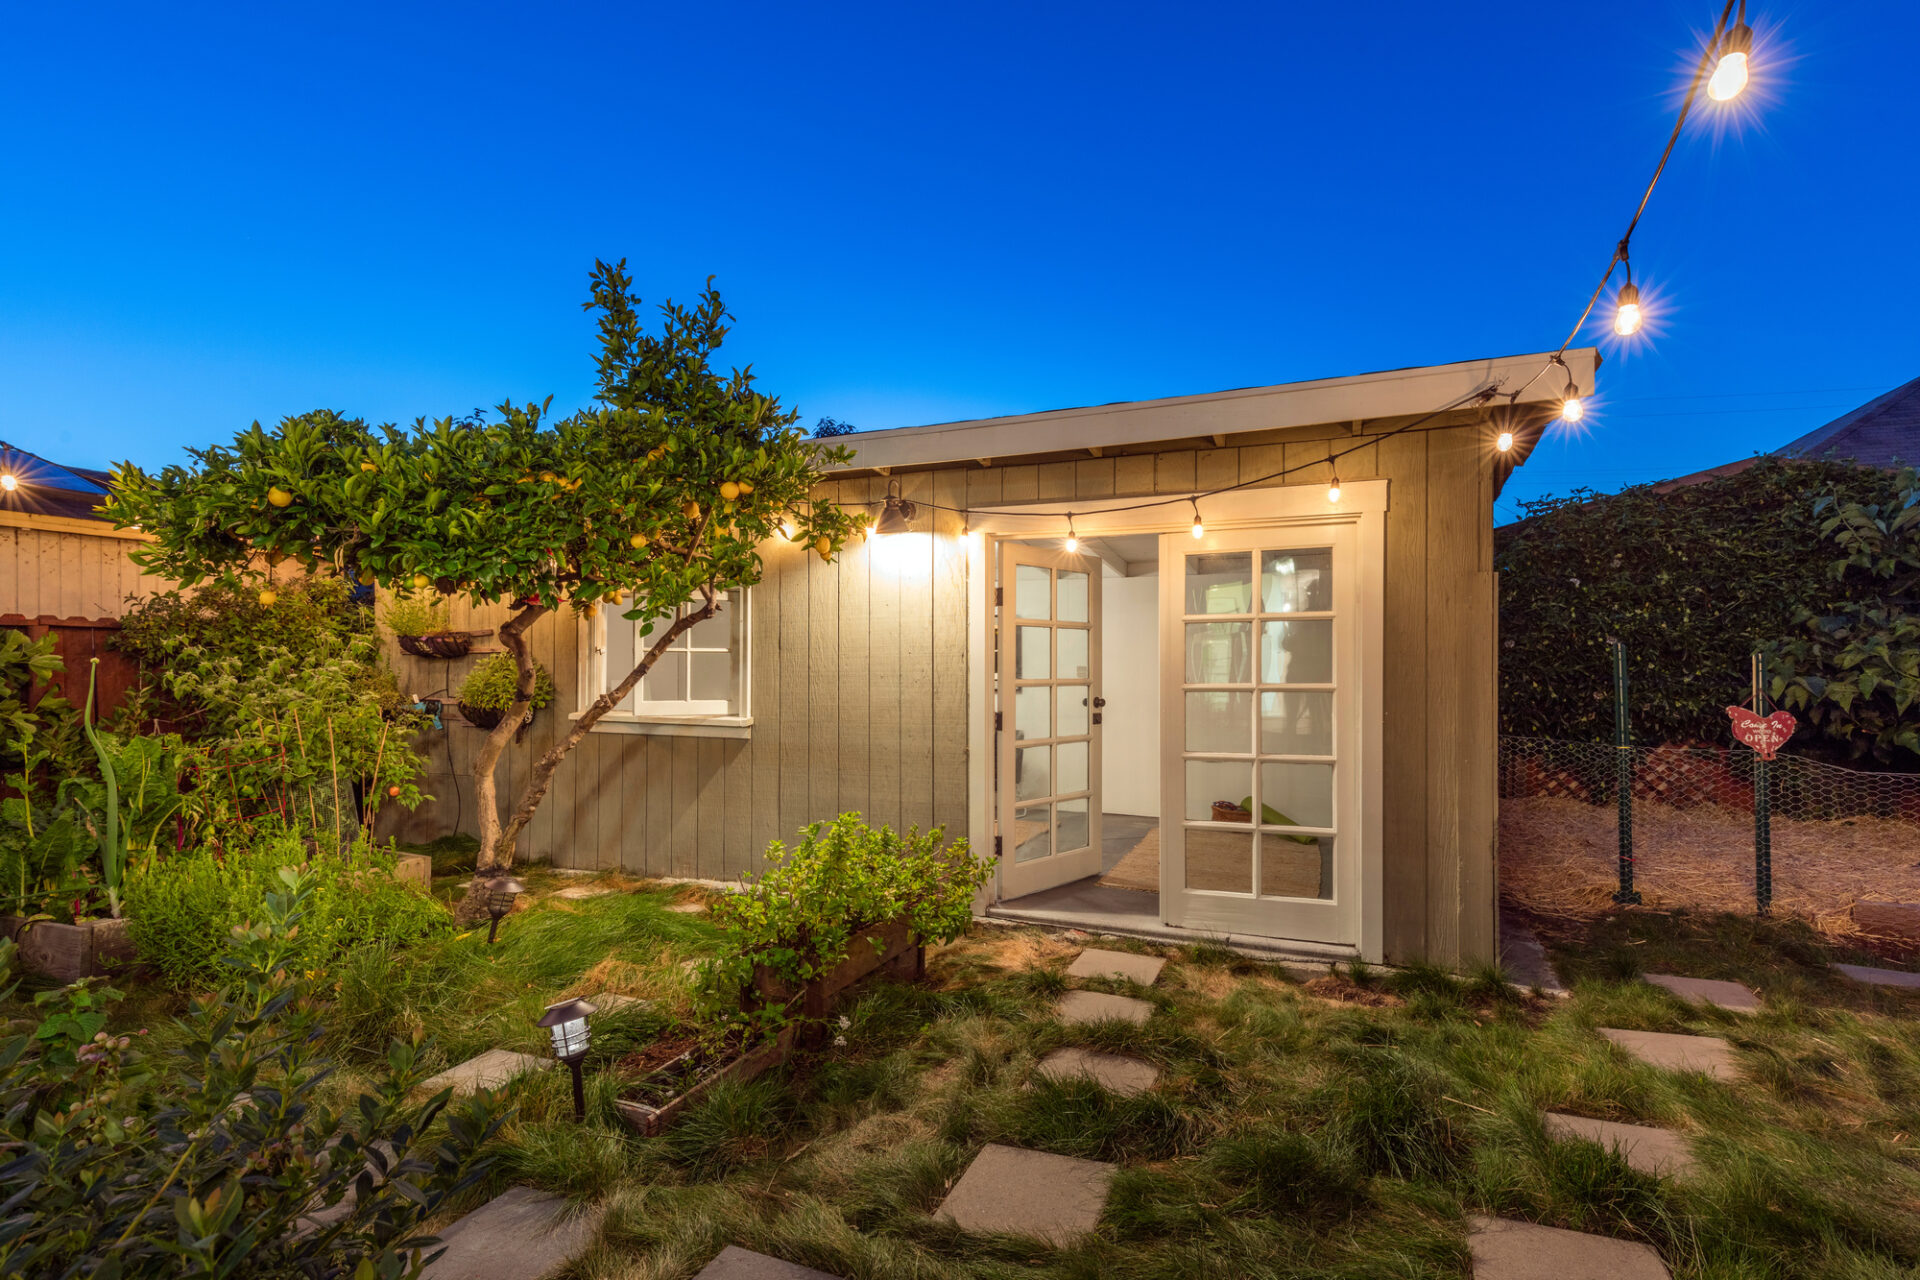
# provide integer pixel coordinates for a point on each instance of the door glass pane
(712, 676)
(1219, 653)
(1073, 653)
(667, 681)
(1032, 591)
(1074, 830)
(1031, 835)
(1296, 866)
(1219, 721)
(1073, 596)
(1296, 724)
(1070, 758)
(1031, 661)
(1219, 790)
(1071, 716)
(1296, 581)
(1221, 583)
(1219, 860)
(1031, 776)
(1030, 712)
(1297, 652)
(1296, 795)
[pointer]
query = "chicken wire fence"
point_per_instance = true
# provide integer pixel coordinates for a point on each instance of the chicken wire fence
(1835, 836)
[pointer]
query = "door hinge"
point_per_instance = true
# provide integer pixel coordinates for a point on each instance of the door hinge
(999, 596)
(996, 846)
(996, 722)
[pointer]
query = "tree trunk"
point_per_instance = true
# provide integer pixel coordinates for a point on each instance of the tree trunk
(496, 841)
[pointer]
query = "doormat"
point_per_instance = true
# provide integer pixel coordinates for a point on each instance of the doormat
(1139, 867)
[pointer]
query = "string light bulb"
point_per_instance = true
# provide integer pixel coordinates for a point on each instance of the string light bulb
(1073, 539)
(1333, 490)
(1199, 530)
(1626, 316)
(1730, 76)
(9, 481)
(1503, 441)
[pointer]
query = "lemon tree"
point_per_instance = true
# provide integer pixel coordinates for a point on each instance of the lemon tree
(659, 493)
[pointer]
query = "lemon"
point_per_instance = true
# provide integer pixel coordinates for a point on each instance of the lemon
(691, 510)
(824, 545)
(637, 541)
(268, 597)
(421, 581)
(730, 490)
(612, 597)
(548, 477)
(368, 466)
(366, 579)
(746, 486)
(279, 497)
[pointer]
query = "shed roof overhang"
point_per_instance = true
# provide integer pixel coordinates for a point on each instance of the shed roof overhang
(1393, 393)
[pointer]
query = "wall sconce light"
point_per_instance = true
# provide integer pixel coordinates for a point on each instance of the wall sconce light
(566, 1022)
(897, 516)
(500, 891)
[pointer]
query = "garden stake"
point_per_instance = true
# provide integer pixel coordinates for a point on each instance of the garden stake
(1762, 804)
(1626, 894)
(333, 767)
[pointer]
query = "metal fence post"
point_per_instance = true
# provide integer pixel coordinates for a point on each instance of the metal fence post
(1762, 804)
(1626, 894)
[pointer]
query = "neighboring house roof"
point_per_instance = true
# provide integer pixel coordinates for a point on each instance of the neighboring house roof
(1389, 394)
(43, 488)
(1883, 432)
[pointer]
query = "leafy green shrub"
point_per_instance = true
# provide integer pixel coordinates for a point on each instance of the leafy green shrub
(415, 615)
(1692, 580)
(1854, 672)
(123, 1165)
(796, 920)
(311, 619)
(491, 684)
(183, 908)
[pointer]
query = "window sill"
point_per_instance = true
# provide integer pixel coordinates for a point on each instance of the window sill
(675, 726)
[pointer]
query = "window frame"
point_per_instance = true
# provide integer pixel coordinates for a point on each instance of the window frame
(670, 717)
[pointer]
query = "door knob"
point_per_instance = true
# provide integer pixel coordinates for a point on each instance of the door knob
(1099, 702)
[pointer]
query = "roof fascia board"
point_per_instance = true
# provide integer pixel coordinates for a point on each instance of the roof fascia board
(1392, 394)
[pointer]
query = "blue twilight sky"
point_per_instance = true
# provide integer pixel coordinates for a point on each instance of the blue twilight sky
(219, 213)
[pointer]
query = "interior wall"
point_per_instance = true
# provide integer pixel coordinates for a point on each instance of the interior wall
(1130, 682)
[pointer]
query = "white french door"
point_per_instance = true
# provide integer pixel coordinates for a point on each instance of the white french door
(1048, 718)
(1260, 712)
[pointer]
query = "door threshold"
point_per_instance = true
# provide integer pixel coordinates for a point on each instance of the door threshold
(1145, 924)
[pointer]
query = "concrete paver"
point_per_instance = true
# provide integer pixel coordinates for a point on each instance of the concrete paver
(1092, 1006)
(735, 1263)
(1708, 1054)
(1879, 977)
(1725, 995)
(1660, 1152)
(1010, 1191)
(1095, 963)
(488, 1070)
(1111, 1071)
(522, 1234)
(1504, 1249)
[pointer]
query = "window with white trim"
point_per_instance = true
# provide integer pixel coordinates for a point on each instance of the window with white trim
(701, 676)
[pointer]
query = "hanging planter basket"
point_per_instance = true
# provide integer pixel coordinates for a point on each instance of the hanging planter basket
(440, 644)
(489, 718)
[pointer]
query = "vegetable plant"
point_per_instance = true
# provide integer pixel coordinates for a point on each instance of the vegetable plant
(415, 616)
(656, 496)
(494, 684)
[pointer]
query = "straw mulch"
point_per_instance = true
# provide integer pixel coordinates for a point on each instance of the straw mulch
(1559, 857)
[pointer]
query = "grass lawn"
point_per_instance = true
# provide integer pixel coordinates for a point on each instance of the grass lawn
(1338, 1125)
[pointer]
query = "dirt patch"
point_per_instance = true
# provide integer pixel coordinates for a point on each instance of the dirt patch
(1335, 989)
(645, 1061)
(994, 947)
(1560, 857)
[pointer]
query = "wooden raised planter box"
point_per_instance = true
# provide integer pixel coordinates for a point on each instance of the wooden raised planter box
(898, 954)
(69, 952)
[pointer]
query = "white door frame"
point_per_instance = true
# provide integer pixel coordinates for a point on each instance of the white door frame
(1363, 504)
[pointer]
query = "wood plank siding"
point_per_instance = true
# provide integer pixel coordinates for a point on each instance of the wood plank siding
(859, 680)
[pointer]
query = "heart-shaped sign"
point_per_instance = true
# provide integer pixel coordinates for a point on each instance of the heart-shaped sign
(1765, 734)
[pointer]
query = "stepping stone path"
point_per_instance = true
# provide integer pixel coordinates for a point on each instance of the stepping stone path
(1094, 963)
(583, 891)
(688, 909)
(1092, 1006)
(1725, 995)
(1707, 1054)
(1111, 1071)
(521, 1235)
(614, 1002)
(1660, 1152)
(1880, 977)
(1504, 1249)
(1010, 1191)
(735, 1263)
(489, 1070)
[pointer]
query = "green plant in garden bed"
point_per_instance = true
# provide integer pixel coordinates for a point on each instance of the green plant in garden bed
(184, 907)
(796, 920)
(494, 680)
(124, 1163)
(415, 615)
